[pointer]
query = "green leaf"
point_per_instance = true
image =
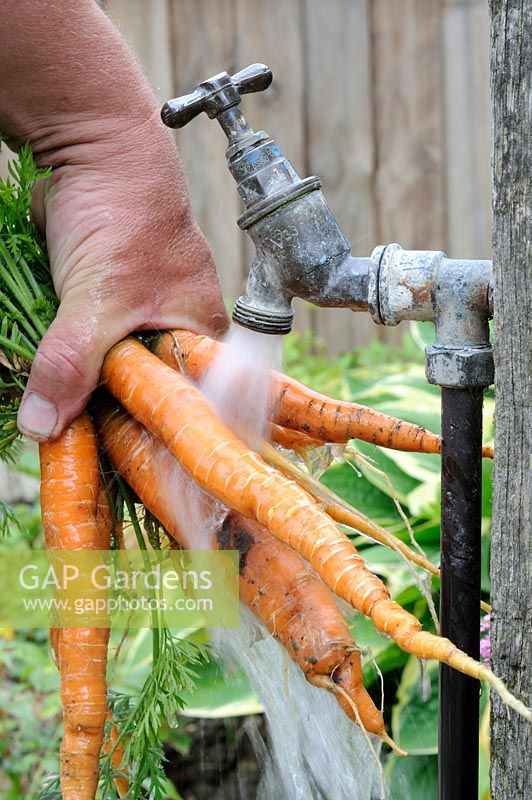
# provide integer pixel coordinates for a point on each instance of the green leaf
(412, 778)
(422, 333)
(360, 492)
(414, 717)
(27, 299)
(139, 720)
(487, 487)
(375, 647)
(135, 662)
(403, 481)
(171, 792)
(219, 693)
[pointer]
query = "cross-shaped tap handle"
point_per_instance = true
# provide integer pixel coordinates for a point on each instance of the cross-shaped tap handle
(215, 95)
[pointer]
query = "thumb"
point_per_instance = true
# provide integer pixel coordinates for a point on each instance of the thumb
(64, 372)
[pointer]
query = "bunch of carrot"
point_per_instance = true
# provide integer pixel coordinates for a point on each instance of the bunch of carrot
(279, 519)
(276, 524)
(274, 580)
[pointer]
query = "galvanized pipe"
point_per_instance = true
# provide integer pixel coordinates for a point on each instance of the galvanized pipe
(461, 491)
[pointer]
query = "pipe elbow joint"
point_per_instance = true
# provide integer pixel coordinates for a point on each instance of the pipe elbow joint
(427, 286)
(454, 294)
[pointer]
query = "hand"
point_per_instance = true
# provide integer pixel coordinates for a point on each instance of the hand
(126, 255)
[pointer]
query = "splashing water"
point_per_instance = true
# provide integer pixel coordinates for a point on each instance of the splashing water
(315, 752)
(238, 383)
(424, 684)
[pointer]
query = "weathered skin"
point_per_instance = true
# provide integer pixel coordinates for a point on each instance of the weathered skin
(125, 251)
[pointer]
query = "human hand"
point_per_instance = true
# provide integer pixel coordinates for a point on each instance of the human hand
(126, 255)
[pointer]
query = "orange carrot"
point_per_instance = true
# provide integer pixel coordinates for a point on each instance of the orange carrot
(178, 414)
(69, 501)
(339, 510)
(116, 747)
(300, 408)
(335, 507)
(106, 525)
(275, 582)
(291, 439)
(300, 613)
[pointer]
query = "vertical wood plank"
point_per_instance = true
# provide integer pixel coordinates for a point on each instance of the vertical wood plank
(467, 128)
(340, 140)
(511, 539)
(180, 43)
(144, 23)
(203, 43)
(408, 119)
(271, 32)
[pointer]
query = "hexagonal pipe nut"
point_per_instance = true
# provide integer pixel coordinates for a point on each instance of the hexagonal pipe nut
(459, 369)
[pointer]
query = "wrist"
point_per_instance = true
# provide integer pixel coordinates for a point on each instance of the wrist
(83, 140)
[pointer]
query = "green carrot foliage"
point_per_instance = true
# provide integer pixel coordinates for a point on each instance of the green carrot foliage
(28, 303)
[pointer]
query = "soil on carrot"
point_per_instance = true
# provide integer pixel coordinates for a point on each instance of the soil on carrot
(220, 763)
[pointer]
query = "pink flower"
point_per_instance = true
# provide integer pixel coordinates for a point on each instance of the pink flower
(485, 643)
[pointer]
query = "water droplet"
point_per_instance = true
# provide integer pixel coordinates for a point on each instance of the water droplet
(424, 686)
(173, 720)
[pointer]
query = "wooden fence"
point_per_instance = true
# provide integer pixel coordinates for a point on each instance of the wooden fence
(386, 100)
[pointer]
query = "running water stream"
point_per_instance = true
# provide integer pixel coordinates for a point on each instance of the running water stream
(314, 751)
(238, 383)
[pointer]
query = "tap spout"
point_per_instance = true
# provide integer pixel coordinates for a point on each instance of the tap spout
(266, 304)
(300, 252)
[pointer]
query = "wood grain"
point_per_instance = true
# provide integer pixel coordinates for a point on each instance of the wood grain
(511, 543)
(272, 33)
(203, 43)
(467, 128)
(339, 133)
(408, 113)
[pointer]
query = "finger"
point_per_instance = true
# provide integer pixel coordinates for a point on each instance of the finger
(65, 371)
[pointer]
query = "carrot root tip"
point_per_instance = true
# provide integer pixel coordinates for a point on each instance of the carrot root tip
(391, 744)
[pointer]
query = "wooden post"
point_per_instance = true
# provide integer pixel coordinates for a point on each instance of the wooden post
(511, 554)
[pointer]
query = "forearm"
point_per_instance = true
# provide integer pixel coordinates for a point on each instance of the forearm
(66, 78)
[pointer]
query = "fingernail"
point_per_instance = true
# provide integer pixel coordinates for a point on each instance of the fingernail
(37, 416)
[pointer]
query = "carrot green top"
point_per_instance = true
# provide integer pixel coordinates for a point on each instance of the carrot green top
(28, 303)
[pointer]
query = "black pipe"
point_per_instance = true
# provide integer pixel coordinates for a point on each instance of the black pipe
(461, 472)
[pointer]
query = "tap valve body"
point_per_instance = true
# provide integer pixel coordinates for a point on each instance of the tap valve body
(300, 249)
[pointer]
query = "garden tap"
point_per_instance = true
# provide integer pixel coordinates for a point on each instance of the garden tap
(300, 250)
